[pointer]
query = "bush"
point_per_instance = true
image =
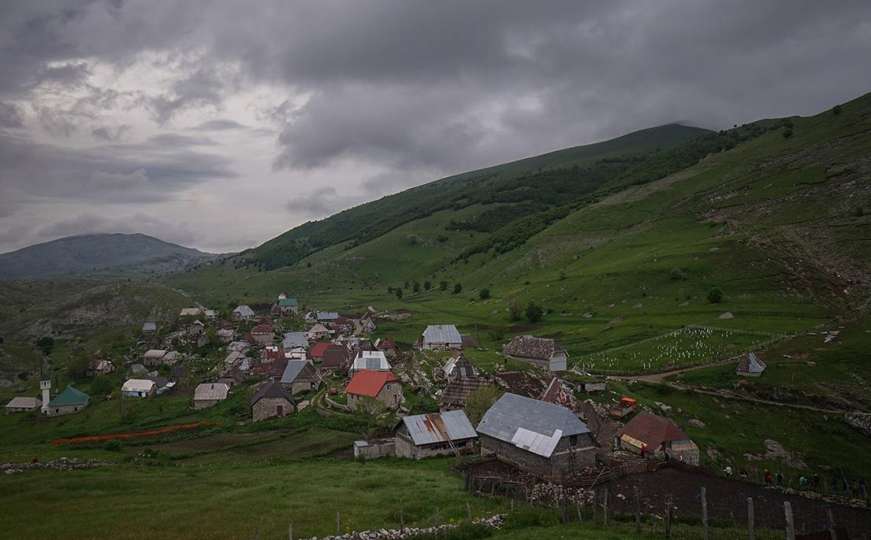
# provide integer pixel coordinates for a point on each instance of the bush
(515, 312)
(416, 287)
(484, 294)
(112, 446)
(458, 288)
(677, 274)
(45, 344)
(534, 312)
(715, 296)
(443, 285)
(399, 294)
(427, 285)
(787, 133)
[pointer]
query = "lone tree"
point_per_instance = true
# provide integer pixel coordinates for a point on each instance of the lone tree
(458, 288)
(45, 344)
(534, 312)
(427, 285)
(484, 294)
(715, 295)
(399, 294)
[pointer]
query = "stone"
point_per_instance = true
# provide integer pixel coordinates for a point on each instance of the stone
(727, 315)
(696, 423)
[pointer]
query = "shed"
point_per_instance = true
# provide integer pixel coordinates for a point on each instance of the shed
(750, 365)
(441, 337)
(326, 316)
(149, 327)
(650, 434)
(153, 357)
(190, 312)
(23, 404)
(300, 376)
(209, 394)
(542, 438)
(271, 400)
(69, 401)
(434, 434)
(138, 388)
(262, 334)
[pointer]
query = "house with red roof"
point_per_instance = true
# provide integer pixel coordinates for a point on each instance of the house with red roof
(367, 387)
(317, 351)
(652, 435)
(263, 334)
(336, 358)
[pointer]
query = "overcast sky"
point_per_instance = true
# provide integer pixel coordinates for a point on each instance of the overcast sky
(219, 125)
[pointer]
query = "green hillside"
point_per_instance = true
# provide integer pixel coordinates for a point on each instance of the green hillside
(621, 243)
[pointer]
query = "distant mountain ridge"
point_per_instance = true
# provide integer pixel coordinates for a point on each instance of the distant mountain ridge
(110, 253)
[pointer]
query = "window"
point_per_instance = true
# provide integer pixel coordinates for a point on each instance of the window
(573, 440)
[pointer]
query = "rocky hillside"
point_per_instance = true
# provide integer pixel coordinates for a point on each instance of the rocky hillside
(98, 254)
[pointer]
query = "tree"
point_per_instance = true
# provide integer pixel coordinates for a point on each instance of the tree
(45, 344)
(427, 285)
(458, 288)
(787, 133)
(416, 287)
(399, 294)
(534, 312)
(443, 285)
(515, 312)
(715, 295)
(484, 294)
(479, 401)
(837, 110)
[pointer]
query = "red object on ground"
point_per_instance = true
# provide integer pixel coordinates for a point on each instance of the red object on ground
(128, 435)
(627, 401)
(369, 383)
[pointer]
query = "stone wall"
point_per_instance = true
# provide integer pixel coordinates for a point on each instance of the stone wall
(565, 460)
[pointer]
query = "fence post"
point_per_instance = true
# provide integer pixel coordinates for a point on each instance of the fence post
(668, 516)
(704, 511)
(468, 511)
(605, 508)
(290, 531)
(338, 524)
(578, 508)
(401, 520)
(831, 518)
(750, 518)
(637, 510)
(595, 502)
(790, 525)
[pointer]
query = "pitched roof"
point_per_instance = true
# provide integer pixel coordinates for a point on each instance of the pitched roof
(211, 391)
(456, 392)
(149, 326)
(24, 402)
(318, 349)
(264, 328)
(439, 427)
(155, 353)
(750, 363)
(335, 357)
(244, 311)
(137, 385)
(371, 360)
(287, 302)
(531, 347)
(653, 430)
(294, 339)
(297, 369)
(369, 383)
(70, 397)
(519, 420)
(327, 315)
(442, 333)
(520, 382)
(272, 390)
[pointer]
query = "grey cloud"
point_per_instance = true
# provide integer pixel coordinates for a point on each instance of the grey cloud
(109, 133)
(87, 223)
(320, 203)
(176, 140)
(221, 124)
(10, 116)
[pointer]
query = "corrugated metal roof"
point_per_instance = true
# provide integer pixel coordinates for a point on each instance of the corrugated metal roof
(543, 445)
(436, 428)
(244, 311)
(442, 333)
(327, 315)
(137, 385)
(211, 391)
(287, 302)
(70, 397)
(294, 339)
(292, 371)
(24, 402)
(372, 360)
(512, 412)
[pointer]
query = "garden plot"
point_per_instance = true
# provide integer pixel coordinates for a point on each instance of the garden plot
(685, 347)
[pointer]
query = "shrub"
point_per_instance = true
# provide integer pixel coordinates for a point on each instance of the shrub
(534, 312)
(715, 296)
(427, 285)
(443, 285)
(484, 294)
(515, 312)
(458, 288)
(45, 344)
(399, 294)
(677, 274)
(416, 287)
(787, 133)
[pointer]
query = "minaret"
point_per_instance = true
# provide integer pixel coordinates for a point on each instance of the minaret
(45, 386)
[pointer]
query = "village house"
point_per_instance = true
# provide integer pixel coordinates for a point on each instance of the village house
(190, 312)
(210, 314)
(262, 334)
(541, 438)
(225, 335)
(138, 388)
(271, 353)
(370, 387)
(153, 357)
(317, 351)
(342, 326)
(335, 359)
(440, 337)
(365, 324)
(271, 400)
(542, 352)
(300, 376)
(750, 365)
(326, 316)
(387, 346)
(238, 346)
(463, 379)
(294, 340)
(149, 328)
(209, 394)
(100, 367)
(318, 332)
(69, 401)
(459, 367)
(655, 436)
(371, 361)
(243, 313)
(285, 306)
(23, 404)
(435, 434)
(559, 393)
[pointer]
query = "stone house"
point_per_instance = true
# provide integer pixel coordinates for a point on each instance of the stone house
(543, 352)
(434, 434)
(285, 306)
(153, 357)
(300, 376)
(243, 313)
(69, 401)
(367, 387)
(210, 394)
(335, 359)
(262, 334)
(440, 337)
(540, 438)
(271, 400)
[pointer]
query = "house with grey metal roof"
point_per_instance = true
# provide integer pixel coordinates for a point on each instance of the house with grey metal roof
(750, 365)
(440, 337)
(23, 404)
(435, 434)
(326, 316)
(370, 360)
(541, 438)
(292, 340)
(149, 327)
(243, 313)
(300, 376)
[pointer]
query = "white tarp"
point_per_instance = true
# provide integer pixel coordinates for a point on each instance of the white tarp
(536, 443)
